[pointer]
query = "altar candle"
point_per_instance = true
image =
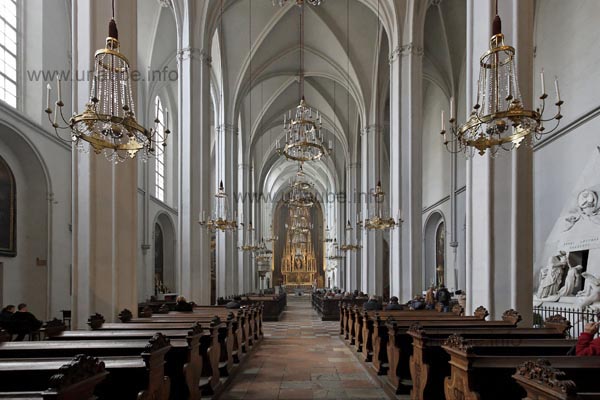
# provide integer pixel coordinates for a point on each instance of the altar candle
(451, 107)
(48, 90)
(443, 122)
(557, 90)
(59, 91)
(166, 118)
(543, 81)
(55, 114)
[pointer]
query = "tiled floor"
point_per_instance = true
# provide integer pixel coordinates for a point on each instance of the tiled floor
(302, 357)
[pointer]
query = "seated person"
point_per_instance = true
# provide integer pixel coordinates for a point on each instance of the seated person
(23, 322)
(181, 304)
(235, 303)
(586, 344)
(417, 303)
(393, 304)
(372, 304)
(6, 315)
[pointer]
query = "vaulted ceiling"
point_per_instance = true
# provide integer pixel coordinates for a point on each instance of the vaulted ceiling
(255, 63)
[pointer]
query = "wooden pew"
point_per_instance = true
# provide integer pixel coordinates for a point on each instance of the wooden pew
(184, 368)
(371, 331)
(429, 362)
(247, 319)
(481, 370)
(399, 343)
(229, 336)
(541, 381)
(131, 376)
(75, 380)
(214, 363)
(356, 318)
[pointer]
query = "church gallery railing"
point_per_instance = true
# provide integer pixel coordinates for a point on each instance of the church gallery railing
(578, 318)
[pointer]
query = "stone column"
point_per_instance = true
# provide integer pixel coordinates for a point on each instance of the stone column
(105, 240)
(244, 260)
(352, 207)
(406, 241)
(372, 241)
(227, 268)
(499, 190)
(194, 157)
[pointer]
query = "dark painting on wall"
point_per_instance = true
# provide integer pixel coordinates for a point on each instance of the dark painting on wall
(8, 211)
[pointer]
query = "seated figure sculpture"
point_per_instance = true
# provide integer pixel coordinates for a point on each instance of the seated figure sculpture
(551, 276)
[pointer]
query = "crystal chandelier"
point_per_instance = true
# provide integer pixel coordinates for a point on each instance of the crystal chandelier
(300, 196)
(499, 119)
(299, 221)
(299, 3)
(273, 238)
(249, 245)
(220, 219)
(263, 254)
(378, 220)
(350, 244)
(108, 124)
(327, 239)
(302, 126)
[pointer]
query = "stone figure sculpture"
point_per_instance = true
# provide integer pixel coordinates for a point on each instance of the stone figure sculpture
(591, 293)
(588, 208)
(551, 276)
(573, 281)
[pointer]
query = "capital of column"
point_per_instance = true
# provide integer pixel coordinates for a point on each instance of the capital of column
(354, 166)
(370, 129)
(194, 53)
(227, 128)
(244, 166)
(406, 50)
(165, 3)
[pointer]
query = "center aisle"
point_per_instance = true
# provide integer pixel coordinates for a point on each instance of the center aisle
(302, 357)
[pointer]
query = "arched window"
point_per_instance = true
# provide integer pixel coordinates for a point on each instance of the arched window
(8, 211)
(159, 163)
(8, 51)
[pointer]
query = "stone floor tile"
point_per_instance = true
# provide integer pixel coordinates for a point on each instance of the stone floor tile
(295, 394)
(302, 357)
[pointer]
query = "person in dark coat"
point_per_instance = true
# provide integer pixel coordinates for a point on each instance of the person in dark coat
(23, 322)
(181, 304)
(393, 304)
(235, 303)
(443, 296)
(6, 315)
(372, 304)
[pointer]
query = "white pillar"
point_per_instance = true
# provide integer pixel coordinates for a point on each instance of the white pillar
(105, 240)
(352, 207)
(194, 157)
(227, 268)
(499, 190)
(244, 269)
(372, 241)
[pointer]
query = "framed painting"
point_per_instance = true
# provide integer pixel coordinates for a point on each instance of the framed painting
(8, 211)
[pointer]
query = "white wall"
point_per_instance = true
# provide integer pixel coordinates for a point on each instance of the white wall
(566, 41)
(42, 169)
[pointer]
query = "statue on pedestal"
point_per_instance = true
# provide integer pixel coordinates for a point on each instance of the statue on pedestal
(573, 280)
(591, 293)
(551, 276)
